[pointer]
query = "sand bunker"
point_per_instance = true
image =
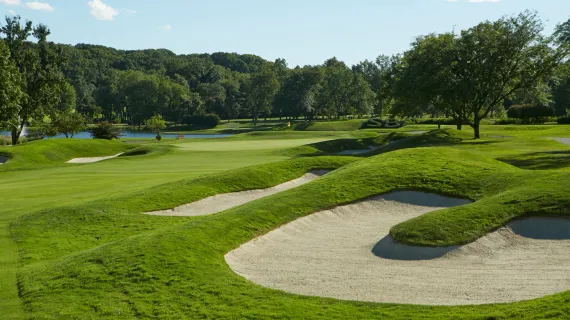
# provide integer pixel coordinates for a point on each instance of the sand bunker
(563, 140)
(346, 253)
(3, 160)
(225, 201)
(92, 159)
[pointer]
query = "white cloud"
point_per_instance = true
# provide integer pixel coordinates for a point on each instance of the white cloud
(166, 27)
(36, 5)
(10, 2)
(102, 11)
(11, 12)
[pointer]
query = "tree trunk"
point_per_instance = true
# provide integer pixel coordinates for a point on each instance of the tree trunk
(459, 126)
(476, 128)
(15, 136)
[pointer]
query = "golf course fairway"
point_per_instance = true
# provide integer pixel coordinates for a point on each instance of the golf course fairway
(77, 244)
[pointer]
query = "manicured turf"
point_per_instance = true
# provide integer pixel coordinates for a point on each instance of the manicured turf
(86, 252)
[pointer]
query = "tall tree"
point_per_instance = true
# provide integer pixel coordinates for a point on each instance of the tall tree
(40, 67)
(10, 89)
(262, 89)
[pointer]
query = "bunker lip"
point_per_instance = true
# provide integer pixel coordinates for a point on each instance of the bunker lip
(331, 254)
(565, 141)
(221, 202)
(92, 159)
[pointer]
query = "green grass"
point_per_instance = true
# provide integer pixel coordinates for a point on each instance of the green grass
(127, 265)
(74, 244)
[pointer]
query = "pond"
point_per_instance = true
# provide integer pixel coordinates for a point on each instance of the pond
(139, 135)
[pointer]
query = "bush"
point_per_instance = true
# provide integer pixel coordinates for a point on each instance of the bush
(158, 137)
(563, 120)
(206, 121)
(36, 135)
(528, 114)
(4, 141)
(505, 121)
(106, 130)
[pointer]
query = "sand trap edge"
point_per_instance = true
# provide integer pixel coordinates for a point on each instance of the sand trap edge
(224, 201)
(92, 159)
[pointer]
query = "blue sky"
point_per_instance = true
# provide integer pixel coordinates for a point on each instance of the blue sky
(301, 31)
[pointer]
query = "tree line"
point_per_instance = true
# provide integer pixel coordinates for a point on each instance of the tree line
(467, 75)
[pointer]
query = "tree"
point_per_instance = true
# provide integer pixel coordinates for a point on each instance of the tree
(262, 89)
(39, 67)
(156, 123)
(470, 75)
(69, 123)
(10, 89)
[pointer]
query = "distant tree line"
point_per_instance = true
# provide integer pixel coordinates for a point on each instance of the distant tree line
(467, 76)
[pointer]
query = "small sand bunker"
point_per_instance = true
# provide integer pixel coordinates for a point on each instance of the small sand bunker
(3, 159)
(221, 202)
(346, 253)
(92, 159)
(566, 141)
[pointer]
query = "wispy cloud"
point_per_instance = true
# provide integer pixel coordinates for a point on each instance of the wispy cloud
(483, 1)
(36, 5)
(166, 27)
(11, 12)
(129, 12)
(10, 2)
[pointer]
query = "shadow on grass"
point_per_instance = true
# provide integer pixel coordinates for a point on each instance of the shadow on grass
(540, 160)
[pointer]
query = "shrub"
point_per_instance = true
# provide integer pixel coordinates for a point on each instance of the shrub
(4, 141)
(34, 135)
(106, 130)
(505, 121)
(563, 120)
(203, 120)
(530, 114)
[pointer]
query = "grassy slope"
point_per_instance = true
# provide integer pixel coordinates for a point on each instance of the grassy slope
(175, 268)
(53, 152)
(53, 184)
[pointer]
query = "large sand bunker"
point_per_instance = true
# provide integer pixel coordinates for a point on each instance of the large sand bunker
(221, 202)
(92, 159)
(346, 253)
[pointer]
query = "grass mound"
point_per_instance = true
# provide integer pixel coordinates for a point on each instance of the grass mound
(147, 150)
(52, 152)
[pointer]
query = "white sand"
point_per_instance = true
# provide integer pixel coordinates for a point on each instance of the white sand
(221, 202)
(337, 253)
(566, 141)
(92, 159)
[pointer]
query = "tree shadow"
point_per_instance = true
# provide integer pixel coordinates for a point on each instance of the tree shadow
(540, 160)
(388, 248)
